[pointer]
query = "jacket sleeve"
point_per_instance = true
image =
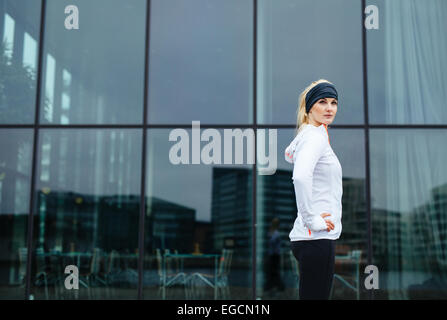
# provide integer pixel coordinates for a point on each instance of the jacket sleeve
(309, 150)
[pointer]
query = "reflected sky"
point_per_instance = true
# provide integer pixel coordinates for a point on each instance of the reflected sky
(406, 68)
(200, 64)
(90, 162)
(15, 170)
(19, 36)
(303, 41)
(406, 167)
(99, 67)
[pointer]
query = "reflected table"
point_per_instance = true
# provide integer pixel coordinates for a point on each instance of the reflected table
(182, 257)
(353, 257)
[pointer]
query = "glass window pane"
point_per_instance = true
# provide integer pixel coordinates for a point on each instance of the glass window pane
(409, 210)
(94, 74)
(19, 40)
(87, 213)
(303, 41)
(202, 212)
(276, 199)
(407, 60)
(201, 58)
(15, 178)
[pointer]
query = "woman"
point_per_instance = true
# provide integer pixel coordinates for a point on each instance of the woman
(317, 179)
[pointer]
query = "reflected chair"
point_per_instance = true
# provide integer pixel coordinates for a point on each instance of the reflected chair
(92, 278)
(176, 269)
(56, 277)
(130, 269)
(112, 269)
(41, 272)
(168, 276)
(219, 282)
(23, 254)
(354, 258)
(41, 268)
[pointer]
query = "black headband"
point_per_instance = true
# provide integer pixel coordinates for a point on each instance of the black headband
(321, 90)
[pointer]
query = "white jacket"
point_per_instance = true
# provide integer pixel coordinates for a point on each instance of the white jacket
(317, 178)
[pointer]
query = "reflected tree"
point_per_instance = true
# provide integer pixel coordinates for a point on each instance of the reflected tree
(17, 90)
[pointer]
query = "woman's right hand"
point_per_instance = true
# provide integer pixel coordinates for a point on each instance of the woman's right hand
(329, 224)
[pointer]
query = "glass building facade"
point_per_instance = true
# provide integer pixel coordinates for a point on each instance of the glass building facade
(90, 117)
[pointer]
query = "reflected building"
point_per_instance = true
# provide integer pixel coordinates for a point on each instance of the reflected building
(231, 209)
(169, 225)
(203, 231)
(73, 221)
(425, 242)
(386, 238)
(354, 214)
(430, 226)
(410, 247)
(69, 221)
(12, 231)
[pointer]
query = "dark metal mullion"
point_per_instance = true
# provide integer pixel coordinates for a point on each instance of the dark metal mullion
(367, 164)
(407, 126)
(222, 126)
(293, 126)
(217, 126)
(143, 159)
(16, 126)
(254, 168)
(202, 125)
(29, 239)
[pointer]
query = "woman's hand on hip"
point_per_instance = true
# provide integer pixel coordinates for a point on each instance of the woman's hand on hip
(329, 224)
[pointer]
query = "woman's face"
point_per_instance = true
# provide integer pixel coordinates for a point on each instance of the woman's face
(323, 111)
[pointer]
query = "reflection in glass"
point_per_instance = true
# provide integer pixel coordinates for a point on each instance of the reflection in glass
(198, 223)
(203, 69)
(409, 210)
(94, 74)
(19, 36)
(87, 213)
(303, 41)
(276, 200)
(15, 178)
(407, 59)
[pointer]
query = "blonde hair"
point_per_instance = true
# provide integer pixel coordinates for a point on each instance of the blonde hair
(302, 116)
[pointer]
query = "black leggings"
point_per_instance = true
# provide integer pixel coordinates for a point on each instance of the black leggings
(316, 260)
